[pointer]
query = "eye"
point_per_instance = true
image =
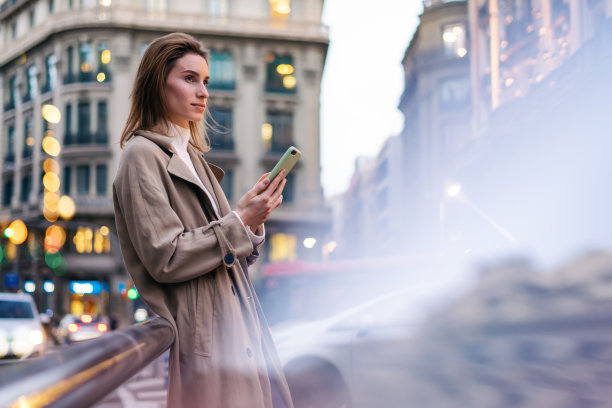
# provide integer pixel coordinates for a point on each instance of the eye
(189, 78)
(205, 82)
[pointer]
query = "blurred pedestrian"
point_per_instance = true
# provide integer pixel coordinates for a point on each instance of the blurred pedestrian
(186, 250)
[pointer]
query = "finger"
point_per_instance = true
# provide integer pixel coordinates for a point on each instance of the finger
(278, 179)
(261, 185)
(264, 176)
(278, 191)
(278, 202)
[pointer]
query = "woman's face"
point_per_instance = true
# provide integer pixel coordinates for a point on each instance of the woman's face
(185, 89)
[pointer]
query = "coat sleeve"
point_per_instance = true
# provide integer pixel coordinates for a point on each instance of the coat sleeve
(168, 252)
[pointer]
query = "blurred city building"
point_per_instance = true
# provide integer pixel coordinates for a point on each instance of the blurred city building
(371, 206)
(495, 109)
(266, 62)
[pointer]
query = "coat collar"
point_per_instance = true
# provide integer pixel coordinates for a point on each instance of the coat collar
(177, 167)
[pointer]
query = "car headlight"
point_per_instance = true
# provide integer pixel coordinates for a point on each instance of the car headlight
(36, 337)
(21, 344)
(4, 344)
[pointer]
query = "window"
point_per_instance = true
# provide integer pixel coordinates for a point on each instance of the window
(70, 4)
(221, 129)
(82, 174)
(51, 6)
(69, 78)
(68, 124)
(10, 145)
(32, 83)
(86, 62)
(83, 117)
(13, 30)
(289, 191)
(222, 70)
(280, 9)
(51, 73)
(455, 93)
(67, 180)
(32, 18)
(227, 184)
(283, 247)
(277, 133)
(13, 92)
(104, 58)
(41, 186)
(26, 188)
(218, 8)
(7, 192)
(102, 129)
(454, 38)
(28, 137)
(279, 73)
(101, 179)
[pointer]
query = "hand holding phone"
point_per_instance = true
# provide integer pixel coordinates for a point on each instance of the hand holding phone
(289, 159)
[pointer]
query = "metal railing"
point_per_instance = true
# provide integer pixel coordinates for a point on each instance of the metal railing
(81, 374)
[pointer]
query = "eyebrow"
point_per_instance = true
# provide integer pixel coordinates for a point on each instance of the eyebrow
(189, 71)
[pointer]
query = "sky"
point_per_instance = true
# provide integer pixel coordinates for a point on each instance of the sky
(362, 82)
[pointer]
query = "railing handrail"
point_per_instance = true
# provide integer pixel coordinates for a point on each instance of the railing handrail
(82, 374)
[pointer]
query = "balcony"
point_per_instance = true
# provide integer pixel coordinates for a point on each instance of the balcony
(46, 88)
(9, 106)
(80, 77)
(9, 158)
(86, 138)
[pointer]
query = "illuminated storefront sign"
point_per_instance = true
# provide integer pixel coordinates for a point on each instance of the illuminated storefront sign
(86, 287)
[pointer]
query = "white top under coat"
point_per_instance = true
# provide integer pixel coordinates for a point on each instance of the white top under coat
(180, 141)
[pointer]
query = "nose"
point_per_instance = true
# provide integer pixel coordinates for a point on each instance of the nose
(202, 91)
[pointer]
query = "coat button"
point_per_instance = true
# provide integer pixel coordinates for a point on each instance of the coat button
(249, 352)
(228, 259)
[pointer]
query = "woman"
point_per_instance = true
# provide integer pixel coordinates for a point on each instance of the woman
(186, 250)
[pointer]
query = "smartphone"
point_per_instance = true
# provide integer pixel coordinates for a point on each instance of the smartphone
(289, 159)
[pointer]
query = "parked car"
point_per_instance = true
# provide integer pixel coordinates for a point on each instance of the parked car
(358, 357)
(21, 331)
(73, 328)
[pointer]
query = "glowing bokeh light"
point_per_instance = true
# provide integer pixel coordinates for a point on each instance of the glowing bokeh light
(105, 57)
(51, 165)
(289, 82)
(51, 182)
(284, 69)
(51, 146)
(18, 232)
(66, 207)
(309, 242)
(101, 77)
(51, 113)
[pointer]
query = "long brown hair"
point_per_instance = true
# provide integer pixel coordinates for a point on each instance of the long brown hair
(148, 107)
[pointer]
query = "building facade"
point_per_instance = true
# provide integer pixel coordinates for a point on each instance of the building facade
(494, 105)
(436, 104)
(266, 62)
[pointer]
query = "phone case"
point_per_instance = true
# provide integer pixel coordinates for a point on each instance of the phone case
(289, 159)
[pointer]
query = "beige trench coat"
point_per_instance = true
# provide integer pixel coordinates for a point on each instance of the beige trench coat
(190, 267)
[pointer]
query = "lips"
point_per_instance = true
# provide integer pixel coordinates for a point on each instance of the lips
(199, 106)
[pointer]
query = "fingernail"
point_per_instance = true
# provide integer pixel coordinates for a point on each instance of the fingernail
(266, 181)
